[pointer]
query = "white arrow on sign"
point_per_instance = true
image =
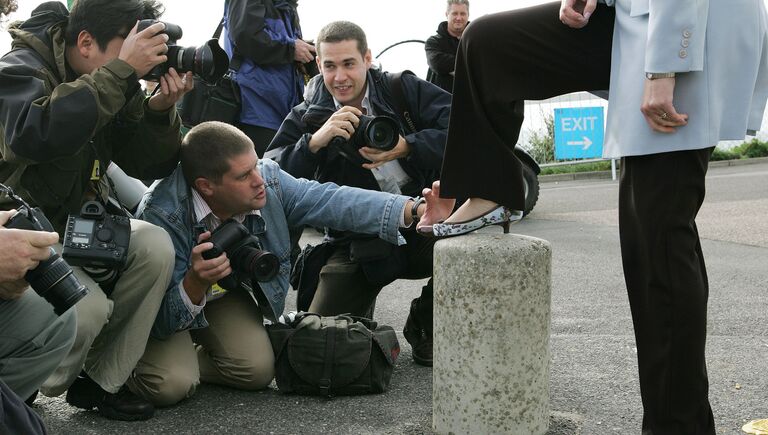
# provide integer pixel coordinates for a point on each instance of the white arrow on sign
(586, 143)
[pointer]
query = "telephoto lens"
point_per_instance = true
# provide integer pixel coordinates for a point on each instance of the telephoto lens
(52, 279)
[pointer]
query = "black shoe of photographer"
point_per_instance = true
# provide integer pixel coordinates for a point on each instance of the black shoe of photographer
(419, 338)
(124, 405)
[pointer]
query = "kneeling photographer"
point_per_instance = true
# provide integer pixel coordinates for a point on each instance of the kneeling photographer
(229, 214)
(71, 103)
(328, 138)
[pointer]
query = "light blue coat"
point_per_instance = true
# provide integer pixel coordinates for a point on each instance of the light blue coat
(719, 49)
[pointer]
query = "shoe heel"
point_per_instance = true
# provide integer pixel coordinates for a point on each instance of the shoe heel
(505, 226)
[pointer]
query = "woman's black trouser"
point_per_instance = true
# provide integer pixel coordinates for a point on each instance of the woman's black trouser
(659, 197)
(504, 59)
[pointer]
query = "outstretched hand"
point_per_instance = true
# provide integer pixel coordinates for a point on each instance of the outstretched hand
(438, 209)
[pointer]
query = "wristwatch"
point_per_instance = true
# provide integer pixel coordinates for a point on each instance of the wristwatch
(415, 210)
(654, 76)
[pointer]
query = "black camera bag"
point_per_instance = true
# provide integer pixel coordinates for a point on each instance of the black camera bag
(333, 356)
(220, 101)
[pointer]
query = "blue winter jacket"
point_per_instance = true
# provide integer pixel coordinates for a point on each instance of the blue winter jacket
(261, 35)
(291, 202)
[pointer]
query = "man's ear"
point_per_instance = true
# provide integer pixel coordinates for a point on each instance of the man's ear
(204, 186)
(86, 44)
(368, 58)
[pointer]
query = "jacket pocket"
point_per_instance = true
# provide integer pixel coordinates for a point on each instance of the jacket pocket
(638, 8)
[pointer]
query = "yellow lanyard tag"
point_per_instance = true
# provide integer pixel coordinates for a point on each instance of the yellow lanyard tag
(96, 172)
(217, 290)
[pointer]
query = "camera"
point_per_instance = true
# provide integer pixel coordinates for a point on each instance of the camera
(208, 61)
(380, 132)
(52, 279)
(97, 239)
(244, 253)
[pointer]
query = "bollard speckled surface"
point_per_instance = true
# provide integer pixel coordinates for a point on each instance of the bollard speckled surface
(491, 337)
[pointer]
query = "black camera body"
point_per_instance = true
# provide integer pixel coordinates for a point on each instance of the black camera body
(96, 238)
(208, 61)
(244, 253)
(380, 132)
(52, 279)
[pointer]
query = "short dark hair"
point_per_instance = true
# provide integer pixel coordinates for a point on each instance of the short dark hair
(7, 6)
(106, 19)
(450, 3)
(207, 149)
(338, 31)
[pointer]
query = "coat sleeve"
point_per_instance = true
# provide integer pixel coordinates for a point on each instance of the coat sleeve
(439, 61)
(262, 39)
(430, 107)
(146, 144)
(42, 125)
(676, 34)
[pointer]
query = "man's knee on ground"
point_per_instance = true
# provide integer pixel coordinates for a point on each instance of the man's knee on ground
(249, 374)
(166, 389)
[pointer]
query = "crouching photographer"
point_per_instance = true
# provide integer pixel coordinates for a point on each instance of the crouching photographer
(71, 103)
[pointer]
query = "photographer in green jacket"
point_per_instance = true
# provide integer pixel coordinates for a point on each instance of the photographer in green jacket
(71, 103)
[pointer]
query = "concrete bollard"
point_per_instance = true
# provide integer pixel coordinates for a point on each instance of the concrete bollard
(491, 338)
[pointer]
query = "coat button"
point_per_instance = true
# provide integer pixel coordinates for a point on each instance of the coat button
(685, 43)
(686, 33)
(683, 54)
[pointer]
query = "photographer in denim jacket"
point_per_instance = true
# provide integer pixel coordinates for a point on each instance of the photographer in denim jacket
(346, 89)
(70, 104)
(221, 178)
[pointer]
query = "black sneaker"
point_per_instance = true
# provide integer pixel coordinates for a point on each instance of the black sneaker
(124, 405)
(419, 338)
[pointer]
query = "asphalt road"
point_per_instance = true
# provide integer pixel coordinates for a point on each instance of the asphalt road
(594, 387)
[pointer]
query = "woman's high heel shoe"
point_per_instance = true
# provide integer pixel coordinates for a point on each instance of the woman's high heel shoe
(498, 216)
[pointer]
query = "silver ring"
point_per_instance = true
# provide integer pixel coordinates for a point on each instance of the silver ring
(664, 115)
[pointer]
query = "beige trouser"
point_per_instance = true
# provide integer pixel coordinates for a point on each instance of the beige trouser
(234, 350)
(112, 330)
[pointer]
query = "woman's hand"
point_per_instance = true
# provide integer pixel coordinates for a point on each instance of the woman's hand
(657, 107)
(576, 13)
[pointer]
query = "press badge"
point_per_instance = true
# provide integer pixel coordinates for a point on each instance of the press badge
(96, 172)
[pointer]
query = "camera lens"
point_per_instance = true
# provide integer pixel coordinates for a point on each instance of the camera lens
(379, 132)
(55, 281)
(261, 265)
(210, 61)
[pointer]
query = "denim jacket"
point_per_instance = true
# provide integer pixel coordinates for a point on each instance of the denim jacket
(291, 202)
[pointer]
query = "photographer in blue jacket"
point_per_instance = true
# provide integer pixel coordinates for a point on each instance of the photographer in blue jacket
(221, 179)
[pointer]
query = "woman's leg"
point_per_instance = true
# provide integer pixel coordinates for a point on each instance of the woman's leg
(503, 60)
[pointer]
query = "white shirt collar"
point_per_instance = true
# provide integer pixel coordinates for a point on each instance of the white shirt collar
(204, 214)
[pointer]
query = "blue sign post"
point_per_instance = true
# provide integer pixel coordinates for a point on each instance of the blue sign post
(579, 133)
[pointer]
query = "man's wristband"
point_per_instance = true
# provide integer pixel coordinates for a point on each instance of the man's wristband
(415, 210)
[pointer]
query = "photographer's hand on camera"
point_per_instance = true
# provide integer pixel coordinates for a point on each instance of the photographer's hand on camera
(342, 123)
(379, 157)
(172, 87)
(20, 251)
(304, 51)
(204, 273)
(143, 50)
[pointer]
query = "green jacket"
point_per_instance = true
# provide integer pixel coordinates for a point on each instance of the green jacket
(56, 125)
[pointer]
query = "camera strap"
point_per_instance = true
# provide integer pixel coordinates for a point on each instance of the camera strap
(398, 95)
(237, 59)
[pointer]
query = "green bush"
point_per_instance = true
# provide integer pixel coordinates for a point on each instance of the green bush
(719, 154)
(541, 145)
